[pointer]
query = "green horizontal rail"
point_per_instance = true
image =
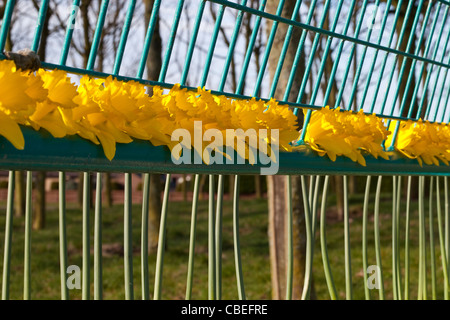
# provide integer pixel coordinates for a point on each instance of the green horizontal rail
(43, 152)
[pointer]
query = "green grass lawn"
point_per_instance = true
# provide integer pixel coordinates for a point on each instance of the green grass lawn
(254, 250)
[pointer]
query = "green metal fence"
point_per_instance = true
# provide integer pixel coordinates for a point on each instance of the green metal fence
(373, 46)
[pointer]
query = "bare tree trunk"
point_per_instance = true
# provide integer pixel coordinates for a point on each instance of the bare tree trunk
(19, 194)
(258, 189)
(39, 207)
(108, 189)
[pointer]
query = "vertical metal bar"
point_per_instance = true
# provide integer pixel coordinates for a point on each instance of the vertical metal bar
(333, 71)
(211, 243)
(314, 207)
(269, 44)
(69, 32)
(212, 46)
(363, 55)
(375, 56)
(8, 236)
(251, 45)
(287, 40)
(98, 276)
(236, 242)
(144, 238)
(290, 241)
(444, 257)
(124, 36)
(234, 36)
(397, 226)
(170, 41)
(348, 264)
(97, 35)
(432, 250)
(191, 47)
(190, 273)
(27, 249)
(352, 52)
(161, 241)
(410, 76)
(148, 38)
(309, 242)
(325, 53)
(40, 24)
(376, 223)
(62, 236)
(86, 237)
(394, 239)
(422, 291)
(218, 240)
(407, 247)
(447, 235)
(399, 41)
(299, 52)
(127, 239)
(364, 237)
(323, 242)
(6, 23)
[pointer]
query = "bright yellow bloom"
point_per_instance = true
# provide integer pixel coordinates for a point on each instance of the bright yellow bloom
(337, 133)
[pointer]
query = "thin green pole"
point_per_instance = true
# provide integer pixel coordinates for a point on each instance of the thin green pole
(144, 238)
(394, 239)
(376, 223)
(236, 242)
(170, 41)
(190, 273)
(6, 22)
(128, 239)
(148, 38)
(98, 276)
(8, 236)
(86, 237)
(290, 241)
(444, 256)
(422, 291)
(397, 223)
(407, 247)
(364, 237)
(314, 207)
(231, 47)
(69, 32)
(323, 242)
(211, 243)
(432, 249)
(309, 242)
(62, 235)
(447, 235)
(193, 40)
(348, 264)
(40, 24)
(161, 242)
(27, 249)
(97, 35)
(218, 240)
(124, 36)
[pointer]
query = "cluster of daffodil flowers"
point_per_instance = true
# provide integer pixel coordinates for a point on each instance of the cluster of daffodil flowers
(108, 111)
(427, 142)
(343, 133)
